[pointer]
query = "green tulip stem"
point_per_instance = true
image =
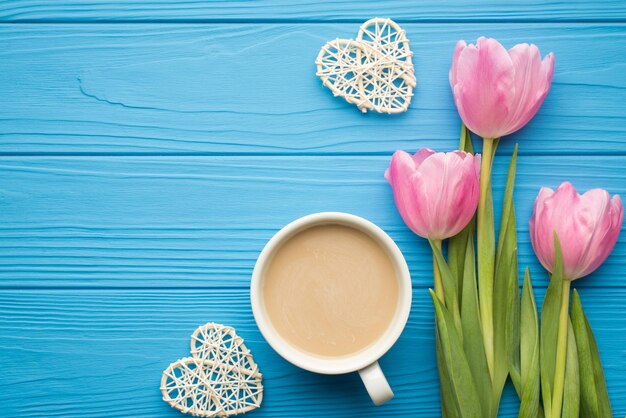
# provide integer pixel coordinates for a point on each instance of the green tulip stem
(561, 352)
(437, 274)
(486, 251)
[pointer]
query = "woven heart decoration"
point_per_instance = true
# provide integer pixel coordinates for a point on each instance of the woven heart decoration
(218, 380)
(374, 72)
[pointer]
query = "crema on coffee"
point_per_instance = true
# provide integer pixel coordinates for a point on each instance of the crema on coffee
(330, 290)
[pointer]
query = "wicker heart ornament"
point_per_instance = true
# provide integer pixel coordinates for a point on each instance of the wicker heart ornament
(218, 380)
(374, 72)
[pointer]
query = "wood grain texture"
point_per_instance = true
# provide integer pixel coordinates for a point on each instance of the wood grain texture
(306, 10)
(224, 88)
(144, 166)
(100, 353)
(202, 221)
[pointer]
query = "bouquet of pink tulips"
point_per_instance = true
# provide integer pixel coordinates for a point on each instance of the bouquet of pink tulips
(484, 332)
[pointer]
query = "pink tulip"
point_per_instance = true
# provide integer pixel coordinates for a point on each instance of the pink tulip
(498, 91)
(587, 227)
(435, 193)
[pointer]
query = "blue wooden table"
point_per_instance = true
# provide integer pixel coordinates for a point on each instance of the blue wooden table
(149, 149)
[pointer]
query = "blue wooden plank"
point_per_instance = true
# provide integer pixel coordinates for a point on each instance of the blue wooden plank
(100, 353)
(171, 223)
(201, 221)
(231, 88)
(306, 10)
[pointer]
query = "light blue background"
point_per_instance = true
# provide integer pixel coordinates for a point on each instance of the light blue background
(149, 149)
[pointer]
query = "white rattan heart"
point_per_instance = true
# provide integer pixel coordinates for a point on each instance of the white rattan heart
(219, 380)
(374, 72)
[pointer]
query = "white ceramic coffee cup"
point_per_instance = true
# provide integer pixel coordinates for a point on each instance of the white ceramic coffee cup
(365, 361)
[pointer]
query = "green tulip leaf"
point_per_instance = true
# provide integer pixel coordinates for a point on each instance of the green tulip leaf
(549, 329)
(507, 240)
(449, 287)
(456, 255)
(472, 332)
(594, 398)
(465, 143)
(604, 406)
(462, 383)
(496, 142)
(529, 333)
(506, 287)
(446, 395)
(513, 336)
(529, 353)
(571, 388)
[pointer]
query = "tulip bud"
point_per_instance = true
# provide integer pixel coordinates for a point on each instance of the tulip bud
(587, 227)
(497, 91)
(435, 193)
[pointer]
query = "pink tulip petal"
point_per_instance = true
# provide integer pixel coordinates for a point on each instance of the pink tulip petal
(617, 213)
(595, 212)
(587, 227)
(435, 193)
(533, 78)
(485, 80)
(465, 195)
(460, 46)
(403, 179)
(421, 155)
(544, 248)
(497, 91)
(434, 169)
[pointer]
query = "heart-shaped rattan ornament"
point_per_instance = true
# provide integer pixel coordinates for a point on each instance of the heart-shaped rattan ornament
(374, 72)
(218, 380)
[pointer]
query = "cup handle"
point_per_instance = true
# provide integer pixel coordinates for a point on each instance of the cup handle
(376, 383)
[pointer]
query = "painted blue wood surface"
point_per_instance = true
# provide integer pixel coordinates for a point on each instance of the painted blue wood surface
(101, 352)
(144, 164)
(251, 88)
(201, 221)
(312, 11)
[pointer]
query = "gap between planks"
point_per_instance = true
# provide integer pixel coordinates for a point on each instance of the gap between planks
(616, 153)
(301, 21)
(235, 288)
